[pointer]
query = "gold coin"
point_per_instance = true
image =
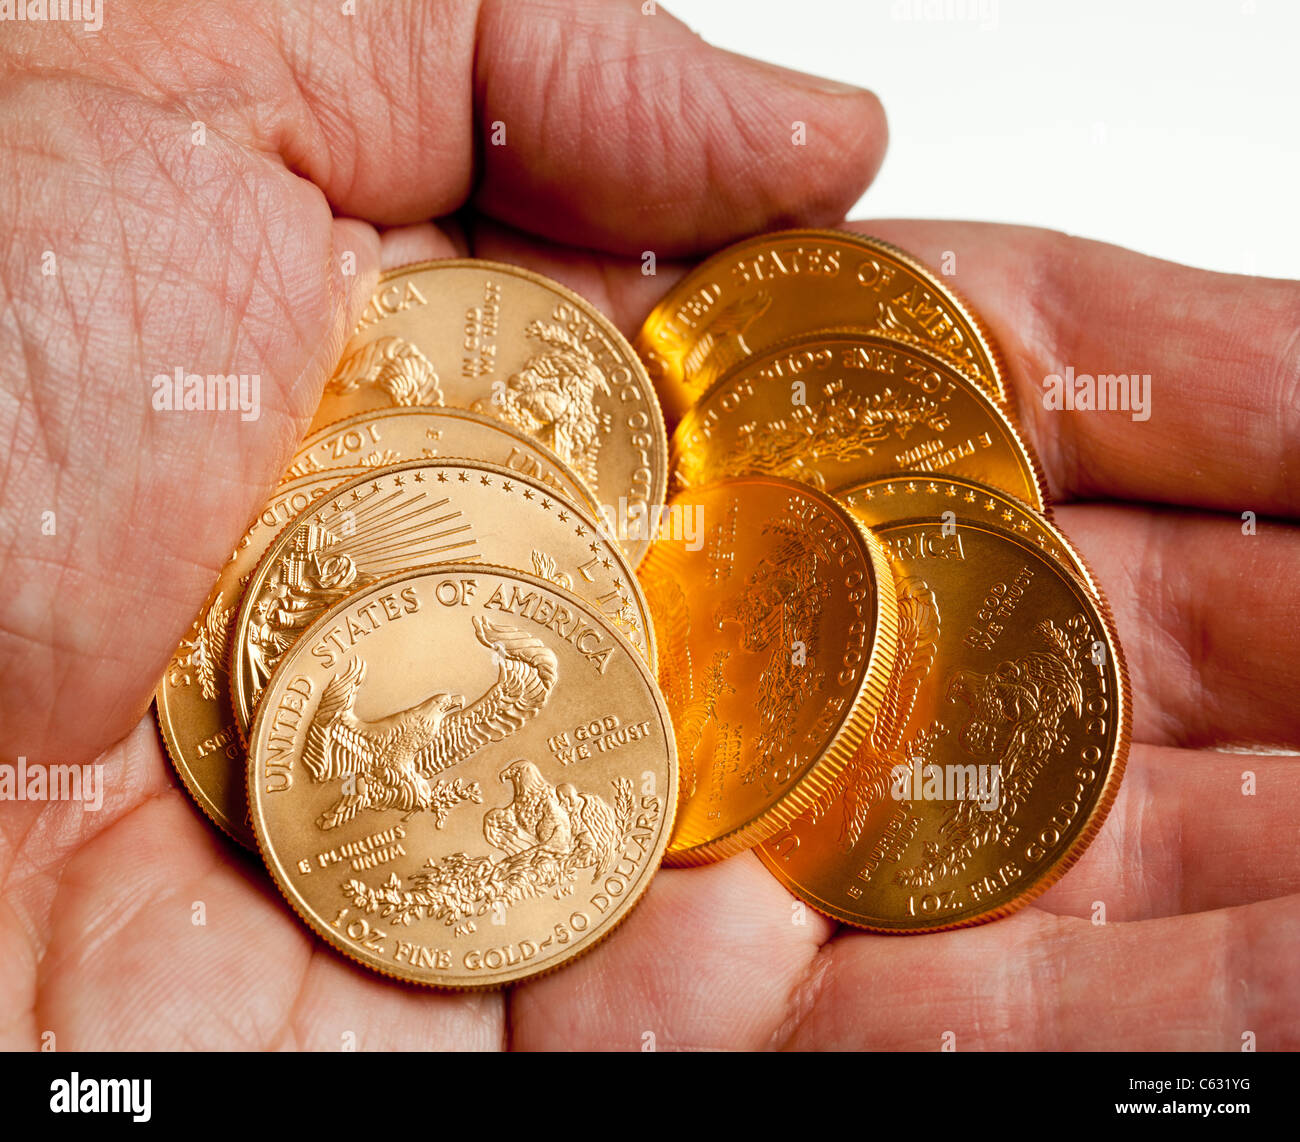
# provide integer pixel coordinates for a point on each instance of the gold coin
(521, 348)
(997, 756)
(192, 701)
(948, 500)
(843, 407)
(413, 515)
(776, 639)
(765, 290)
(380, 439)
(462, 776)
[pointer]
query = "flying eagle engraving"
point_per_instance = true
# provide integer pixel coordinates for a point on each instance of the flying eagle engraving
(865, 781)
(721, 343)
(392, 762)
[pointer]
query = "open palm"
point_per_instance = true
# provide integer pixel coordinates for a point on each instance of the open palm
(622, 134)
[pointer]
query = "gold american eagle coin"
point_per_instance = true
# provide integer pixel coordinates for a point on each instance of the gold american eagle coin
(999, 750)
(413, 515)
(776, 635)
(518, 347)
(192, 701)
(770, 288)
(393, 436)
(462, 776)
(949, 501)
(842, 407)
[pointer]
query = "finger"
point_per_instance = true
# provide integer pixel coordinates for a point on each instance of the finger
(419, 242)
(1206, 612)
(707, 960)
(624, 289)
(106, 470)
(1222, 352)
(1035, 982)
(38, 834)
(37, 837)
(636, 134)
(1189, 832)
(585, 121)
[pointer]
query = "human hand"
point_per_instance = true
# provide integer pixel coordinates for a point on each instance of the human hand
(1199, 881)
(132, 248)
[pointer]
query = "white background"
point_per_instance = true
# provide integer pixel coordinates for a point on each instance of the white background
(1169, 126)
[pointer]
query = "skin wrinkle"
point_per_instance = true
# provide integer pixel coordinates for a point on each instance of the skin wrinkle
(90, 830)
(110, 924)
(691, 218)
(1138, 840)
(1149, 583)
(292, 1021)
(804, 995)
(1230, 1001)
(1046, 970)
(1050, 344)
(1288, 402)
(1179, 846)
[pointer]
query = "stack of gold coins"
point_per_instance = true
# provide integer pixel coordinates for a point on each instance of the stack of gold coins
(423, 687)
(889, 673)
(494, 650)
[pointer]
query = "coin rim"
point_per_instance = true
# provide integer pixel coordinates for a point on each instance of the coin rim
(171, 747)
(629, 901)
(1045, 516)
(1082, 839)
(999, 390)
(854, 725)
(1003, 412)
(463, 413)
(658, 426)
(243, 728)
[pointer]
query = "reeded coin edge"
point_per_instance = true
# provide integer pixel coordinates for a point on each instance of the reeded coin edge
(854, 726)
(631, 899)
(1082, 839)
(1002, 411)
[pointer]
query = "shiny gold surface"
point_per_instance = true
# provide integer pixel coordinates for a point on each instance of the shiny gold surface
(193, 699)
(462, 776)
(413, 515)
(775, 643)
(393, 436)
(1005, 661)
(946, 499)
(767, 289)
(516, 346)
(842, 407)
